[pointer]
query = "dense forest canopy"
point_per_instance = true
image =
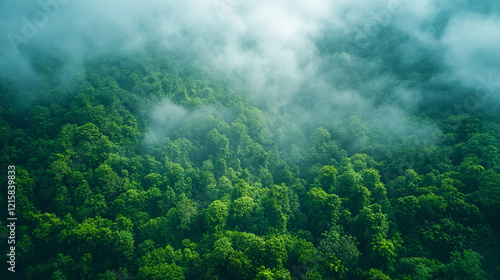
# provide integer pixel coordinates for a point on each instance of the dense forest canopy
(251, 140)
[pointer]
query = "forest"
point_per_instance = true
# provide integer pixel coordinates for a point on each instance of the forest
(150, 164)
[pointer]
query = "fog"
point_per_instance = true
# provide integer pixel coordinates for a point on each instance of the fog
(308, 62)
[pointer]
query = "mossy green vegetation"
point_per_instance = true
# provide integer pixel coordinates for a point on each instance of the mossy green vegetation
(146, 168)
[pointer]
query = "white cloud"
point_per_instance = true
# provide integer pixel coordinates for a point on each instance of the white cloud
(270, 47)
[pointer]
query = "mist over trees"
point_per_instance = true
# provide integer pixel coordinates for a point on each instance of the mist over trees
(252, 140)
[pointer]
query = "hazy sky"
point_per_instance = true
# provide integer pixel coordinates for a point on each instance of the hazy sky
(273, 47)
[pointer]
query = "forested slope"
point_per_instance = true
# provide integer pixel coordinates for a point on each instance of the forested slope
(152, 168)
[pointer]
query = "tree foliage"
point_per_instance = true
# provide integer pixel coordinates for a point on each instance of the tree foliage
(114, 186)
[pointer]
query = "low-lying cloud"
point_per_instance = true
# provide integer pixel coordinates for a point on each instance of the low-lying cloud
(275, 50)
